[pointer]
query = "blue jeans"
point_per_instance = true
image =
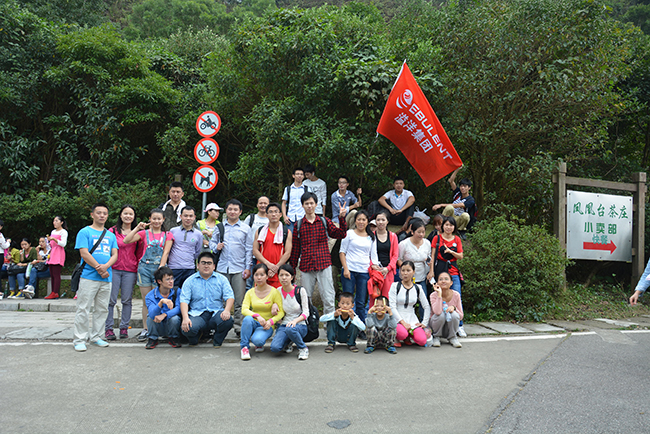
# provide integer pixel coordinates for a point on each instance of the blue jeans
(455, 285)
(358, 281)
(170, 327)
(284, 335)
(181, 275)
(12, 281)
(253, 332)
(206, 322)
(35, 275)
(336, 333)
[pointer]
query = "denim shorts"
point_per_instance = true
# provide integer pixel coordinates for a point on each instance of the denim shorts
(145, 274)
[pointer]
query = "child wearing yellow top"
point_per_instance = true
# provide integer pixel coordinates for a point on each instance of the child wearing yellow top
(257, 307)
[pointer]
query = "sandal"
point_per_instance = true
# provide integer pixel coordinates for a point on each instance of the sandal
(353, 348)
(329, 348)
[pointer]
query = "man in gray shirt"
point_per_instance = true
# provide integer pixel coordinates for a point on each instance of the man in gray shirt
(184, 248)
(236, 257)
(316, 186)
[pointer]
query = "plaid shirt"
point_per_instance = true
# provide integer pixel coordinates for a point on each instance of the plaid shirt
(311, 246)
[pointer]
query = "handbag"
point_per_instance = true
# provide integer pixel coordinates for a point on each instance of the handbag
(15, 269)
(40, 266)
(76, 274)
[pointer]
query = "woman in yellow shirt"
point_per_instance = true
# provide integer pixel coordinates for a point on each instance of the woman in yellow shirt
(257, 326)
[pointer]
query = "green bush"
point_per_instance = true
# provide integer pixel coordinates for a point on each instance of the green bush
(512, 271)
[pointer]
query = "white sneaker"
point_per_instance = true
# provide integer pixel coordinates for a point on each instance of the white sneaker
(245, 354)
(461, 332)
(29, 291)
(303, 353)
(436, 342)
(289, 348)
(455, 342)
(259, 349)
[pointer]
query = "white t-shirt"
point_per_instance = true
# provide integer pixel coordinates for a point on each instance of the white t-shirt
(257, 223)
(320, 189)
(398, 202)
(357, 251)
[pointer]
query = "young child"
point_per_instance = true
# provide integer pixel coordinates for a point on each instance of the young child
(343, 325)
(380, 327)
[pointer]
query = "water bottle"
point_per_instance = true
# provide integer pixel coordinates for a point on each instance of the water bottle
(445, 309)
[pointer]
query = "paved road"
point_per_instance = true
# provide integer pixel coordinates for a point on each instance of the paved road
(48, 388)
(594, 383)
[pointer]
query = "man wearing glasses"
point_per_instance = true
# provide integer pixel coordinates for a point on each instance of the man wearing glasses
(206, 302)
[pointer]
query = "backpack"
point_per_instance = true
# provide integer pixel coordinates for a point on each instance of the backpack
(217, 254)
(417, 290)
(288, 187)
(297, 227)
(313, 319)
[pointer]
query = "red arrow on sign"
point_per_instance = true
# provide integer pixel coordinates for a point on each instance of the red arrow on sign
(595, 246)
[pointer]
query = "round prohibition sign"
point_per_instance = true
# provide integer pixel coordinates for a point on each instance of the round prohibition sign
(206, 151)
(208, 124)
(205, 178)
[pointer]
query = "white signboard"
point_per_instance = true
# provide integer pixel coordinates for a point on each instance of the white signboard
(599, 226)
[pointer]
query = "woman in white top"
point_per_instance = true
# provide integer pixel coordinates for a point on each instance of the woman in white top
(293, 328)
(355, 261)
(418, 250)
(402, 298)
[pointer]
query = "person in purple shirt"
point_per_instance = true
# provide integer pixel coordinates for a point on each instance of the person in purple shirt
(181, 253)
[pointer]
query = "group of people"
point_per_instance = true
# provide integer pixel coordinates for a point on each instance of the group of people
(208, 276)
(25, 266)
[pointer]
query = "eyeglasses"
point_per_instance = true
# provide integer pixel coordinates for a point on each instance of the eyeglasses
(206, 263)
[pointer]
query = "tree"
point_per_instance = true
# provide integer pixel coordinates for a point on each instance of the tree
(520, 78)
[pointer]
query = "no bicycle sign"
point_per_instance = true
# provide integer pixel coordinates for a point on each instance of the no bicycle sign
(208, 124)
(206, 151)
(205, 178)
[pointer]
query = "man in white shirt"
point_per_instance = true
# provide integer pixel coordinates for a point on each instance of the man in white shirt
(292, 209)
(400, 203)
(316, 186)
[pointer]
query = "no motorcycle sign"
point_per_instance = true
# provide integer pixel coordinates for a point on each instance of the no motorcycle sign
(208, 124)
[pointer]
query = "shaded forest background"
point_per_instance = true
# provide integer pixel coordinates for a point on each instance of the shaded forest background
(98, 98)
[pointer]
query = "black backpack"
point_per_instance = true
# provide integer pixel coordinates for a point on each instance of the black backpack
(313, 319)
(217, 254)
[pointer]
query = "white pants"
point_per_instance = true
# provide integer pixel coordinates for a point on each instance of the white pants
(99, 293)
(325, 285)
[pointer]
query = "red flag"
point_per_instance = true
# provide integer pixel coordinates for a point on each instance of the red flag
(411, 124)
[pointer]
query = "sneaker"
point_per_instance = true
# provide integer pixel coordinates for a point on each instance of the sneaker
(29, 289)
(303, 353)
(289, 348)
(100, 343)
(174, 343)
(151, 344)
(110, 335)
(436, 342)
(259, 349)
(369, 350)
(391, 350)
(124, 333)
(245, 354)
(461, 332)
(12, 294)
(455, 342)
(80, 347)
(52, 296)
(20, 295)
(143, 335)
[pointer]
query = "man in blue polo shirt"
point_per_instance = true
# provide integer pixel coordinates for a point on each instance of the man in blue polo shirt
(96, 277)
(206, 301)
